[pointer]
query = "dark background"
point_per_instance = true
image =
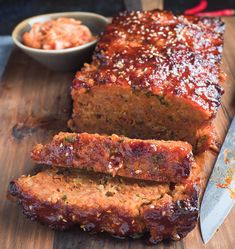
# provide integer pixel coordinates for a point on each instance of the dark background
(14, 11)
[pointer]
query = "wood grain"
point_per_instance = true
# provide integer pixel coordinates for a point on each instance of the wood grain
(150, 4)
(35, 104)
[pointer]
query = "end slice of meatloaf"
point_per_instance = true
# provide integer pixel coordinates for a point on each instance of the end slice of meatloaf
(163, 161)
(154, 76)
(99, 203)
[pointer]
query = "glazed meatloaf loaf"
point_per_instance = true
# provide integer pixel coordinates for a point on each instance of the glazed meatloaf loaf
(120, 206)
(153, 75)
(164, 161)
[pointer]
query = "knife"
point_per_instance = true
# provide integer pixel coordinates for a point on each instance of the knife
(217, 201)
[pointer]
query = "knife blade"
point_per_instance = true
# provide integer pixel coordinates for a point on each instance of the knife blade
(217, 202)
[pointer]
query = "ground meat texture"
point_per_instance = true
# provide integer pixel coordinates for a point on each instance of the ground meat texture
(164, 161)
(153, 75)
(120, 206)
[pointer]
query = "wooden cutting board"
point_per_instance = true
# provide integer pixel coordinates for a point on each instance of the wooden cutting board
(34, 105)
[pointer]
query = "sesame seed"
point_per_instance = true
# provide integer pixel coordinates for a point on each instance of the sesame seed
(138, 171)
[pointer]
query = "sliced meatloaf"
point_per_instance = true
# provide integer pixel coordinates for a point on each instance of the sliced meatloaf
(164, 161)
(153, 75)
(99, 203)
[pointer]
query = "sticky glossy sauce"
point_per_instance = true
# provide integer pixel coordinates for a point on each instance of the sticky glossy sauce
(159, 52)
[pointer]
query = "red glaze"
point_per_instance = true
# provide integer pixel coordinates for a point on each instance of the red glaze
(168, 218)
(164, 161)
(161, 53)
(182, 215)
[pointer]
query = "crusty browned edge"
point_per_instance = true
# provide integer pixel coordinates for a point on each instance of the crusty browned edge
(207, 140)
(168, 220)
(161, 161)
(173, 220)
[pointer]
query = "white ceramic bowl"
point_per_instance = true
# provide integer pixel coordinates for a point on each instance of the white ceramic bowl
(65, 59)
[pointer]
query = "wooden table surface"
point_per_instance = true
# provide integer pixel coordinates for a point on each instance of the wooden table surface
(34, 105)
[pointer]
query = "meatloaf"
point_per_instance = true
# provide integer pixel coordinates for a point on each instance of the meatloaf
(164, 161)
(120, 206)
(153, 75)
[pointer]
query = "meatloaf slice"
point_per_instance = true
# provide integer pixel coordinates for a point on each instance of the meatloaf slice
(153, 75)
(164, 161)
(120, 206)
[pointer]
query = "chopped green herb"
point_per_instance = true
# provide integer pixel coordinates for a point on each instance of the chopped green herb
(108, 119)
(113, 151)
(64, 198)
(89, 168)
(70, 139)
(162, 100)
(141, 197)
(156, 158)
(202, 140)
(149, 94)
(162, 129)
(120, 180)
(135, 90)
(104, 180)
(173, 135)
(181, 204)
(121, 140)
(146, 201)
(88, 90)
(76, 180)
